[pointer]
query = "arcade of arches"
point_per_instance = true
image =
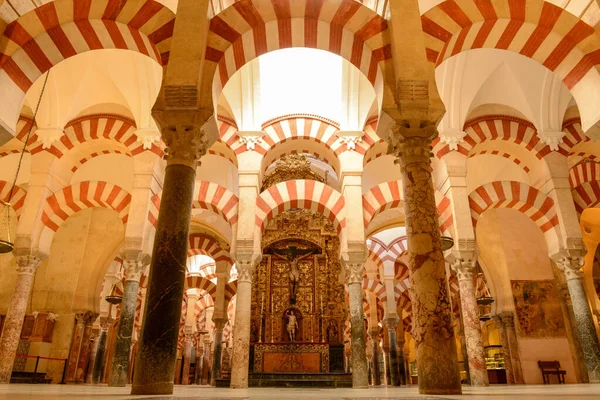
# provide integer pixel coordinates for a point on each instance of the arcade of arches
(329, 193)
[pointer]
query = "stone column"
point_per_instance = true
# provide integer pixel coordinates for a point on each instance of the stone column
(86, 347)
(155, 364)
(465, 271)
(215, 368)
(375, 357)
(360, 370)
(571, 266)
(508, 320)
(241, 329)
(105, 323)
(186, 358)
(510, 376)
(391, 324)
(119, 370)
(13, 323)
(402, 370)
(76, 343)
(437, 360)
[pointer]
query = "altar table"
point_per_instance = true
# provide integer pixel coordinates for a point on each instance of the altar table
(291, 357)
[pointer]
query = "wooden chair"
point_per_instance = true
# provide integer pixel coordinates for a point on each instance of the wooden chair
(551, 368)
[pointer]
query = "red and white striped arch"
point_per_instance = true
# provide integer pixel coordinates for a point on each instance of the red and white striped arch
(376, 287)
(60, 29)
(200, 243)
(17, 200)
(62, 204)
(230, 290)
(517, 196)
(588, 171)
(201, 283)
(586, 195)
(389, 195)
(510, 157)
(208, 196)
(535, 29)
(250, 28)
(307, 194)
(387, 252)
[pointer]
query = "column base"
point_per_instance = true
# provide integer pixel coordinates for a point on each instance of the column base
(232, 386)
(440, 391)
(153, 388)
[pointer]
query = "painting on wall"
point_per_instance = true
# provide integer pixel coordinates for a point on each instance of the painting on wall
(538, 309)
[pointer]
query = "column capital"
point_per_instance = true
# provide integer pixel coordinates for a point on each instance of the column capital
(105, 323)
(219, 323)
(572, 267)
(135, 266)
(27, 265)
(86, 318)
(354, 272)
(465, 268)
(185, 144)
(411, 141)
(508, 318)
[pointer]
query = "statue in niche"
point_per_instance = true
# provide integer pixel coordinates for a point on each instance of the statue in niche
(292, 325)
(291, 256)
(332, 332)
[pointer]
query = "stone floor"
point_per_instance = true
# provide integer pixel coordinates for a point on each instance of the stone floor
(89, 392)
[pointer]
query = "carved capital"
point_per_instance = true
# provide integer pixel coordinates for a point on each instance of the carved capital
(245, 270)
(465, 268)
(354, 272)
(106, 323)
(552, 139)
(250, 141)
(185, 144)
(220, 323)
(148, 137)
(87, 318)
(508, 319)
(412, 144)
(27, 265)
(135, 267)
(571, 266)
(351, 141)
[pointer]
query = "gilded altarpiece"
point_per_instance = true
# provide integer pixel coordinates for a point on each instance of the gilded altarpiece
(319, 303)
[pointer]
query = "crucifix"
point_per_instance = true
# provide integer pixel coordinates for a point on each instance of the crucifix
(293, 255)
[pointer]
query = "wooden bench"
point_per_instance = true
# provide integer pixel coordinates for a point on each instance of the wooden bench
(551, 368)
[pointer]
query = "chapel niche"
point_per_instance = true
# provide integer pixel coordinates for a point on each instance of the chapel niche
(319, 304)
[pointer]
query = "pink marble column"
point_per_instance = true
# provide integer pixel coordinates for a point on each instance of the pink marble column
(465, 270)
(437, 361)
(508, 320)
(187, 355)
(510, 375)
(76, 343)
(26, 267)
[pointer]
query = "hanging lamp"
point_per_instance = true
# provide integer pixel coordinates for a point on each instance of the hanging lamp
(6, 243)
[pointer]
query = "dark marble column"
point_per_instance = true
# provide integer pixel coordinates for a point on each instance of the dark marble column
(187, 358)
(119, 370)
(508, 320)
(156, 358)
(437, 361)
(360, 370)
(391, 324)
(375, 350)
(215, 368)
(105, 323)
(571, 266)
(13, 323)
(402, 370)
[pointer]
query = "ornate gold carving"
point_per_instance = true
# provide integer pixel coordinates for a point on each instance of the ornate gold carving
(293, 166)
(290, 355)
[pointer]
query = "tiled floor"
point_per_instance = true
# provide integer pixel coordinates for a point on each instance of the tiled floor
(83, 392)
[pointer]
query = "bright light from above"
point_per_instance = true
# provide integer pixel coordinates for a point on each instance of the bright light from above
(300, 80)
(195, 263)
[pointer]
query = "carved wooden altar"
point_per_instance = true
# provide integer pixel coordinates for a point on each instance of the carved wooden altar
(320, 302)
(291, 357)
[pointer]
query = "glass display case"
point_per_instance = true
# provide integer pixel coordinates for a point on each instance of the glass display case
(494, 358)
(494, 361)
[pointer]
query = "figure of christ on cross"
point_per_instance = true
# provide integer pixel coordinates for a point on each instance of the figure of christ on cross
(291, 256)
